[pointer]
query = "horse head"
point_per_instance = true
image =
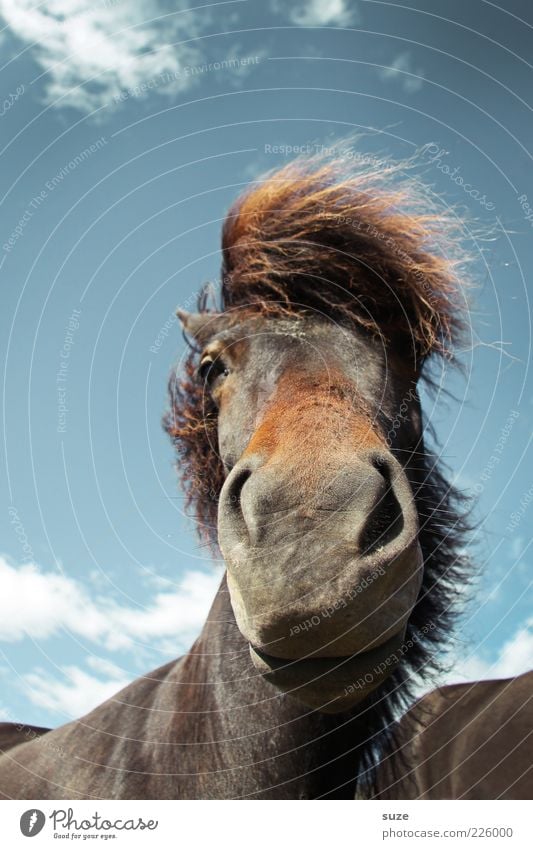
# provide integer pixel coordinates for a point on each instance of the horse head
(299, 421)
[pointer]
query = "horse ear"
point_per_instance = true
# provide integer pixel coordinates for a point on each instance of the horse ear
(201, 325)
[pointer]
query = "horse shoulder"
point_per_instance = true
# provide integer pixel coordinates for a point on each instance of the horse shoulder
(14, 734)
(463, 741)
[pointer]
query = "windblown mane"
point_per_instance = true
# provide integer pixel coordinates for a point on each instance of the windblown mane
(362, 245)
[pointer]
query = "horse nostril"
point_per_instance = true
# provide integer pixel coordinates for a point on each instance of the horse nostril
(235, 488)
(385, 521)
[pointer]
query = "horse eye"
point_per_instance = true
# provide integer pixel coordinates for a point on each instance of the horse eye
(210, 370)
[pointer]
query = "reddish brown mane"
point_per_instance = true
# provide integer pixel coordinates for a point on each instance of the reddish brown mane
(363, 245)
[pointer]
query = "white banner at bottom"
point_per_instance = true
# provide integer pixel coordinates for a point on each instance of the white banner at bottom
(264, 825)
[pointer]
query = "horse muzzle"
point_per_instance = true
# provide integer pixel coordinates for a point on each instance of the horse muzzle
(321, 580)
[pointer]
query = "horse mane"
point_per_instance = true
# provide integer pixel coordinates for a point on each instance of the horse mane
(362, 244)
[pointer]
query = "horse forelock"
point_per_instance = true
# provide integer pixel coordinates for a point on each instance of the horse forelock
(355, 242)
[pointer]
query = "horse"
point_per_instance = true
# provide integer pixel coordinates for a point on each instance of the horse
(302, 450)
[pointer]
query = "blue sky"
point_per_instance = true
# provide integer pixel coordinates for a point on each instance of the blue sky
(125, 132)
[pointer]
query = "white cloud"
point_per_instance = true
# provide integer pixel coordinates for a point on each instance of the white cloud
(76, 692)
(403, 71)
(178, 615)
(514, 657)
(91, 51)
(320, 13)
(39, 604)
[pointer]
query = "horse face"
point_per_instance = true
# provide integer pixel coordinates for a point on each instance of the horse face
(316, 521)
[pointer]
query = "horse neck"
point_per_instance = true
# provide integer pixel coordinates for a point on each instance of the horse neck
(250, 740)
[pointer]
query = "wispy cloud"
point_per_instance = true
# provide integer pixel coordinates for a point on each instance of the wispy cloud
(514, 657)
(39, 604)
(91, 51)
(76, 691)
(402, 70)
(319, 13)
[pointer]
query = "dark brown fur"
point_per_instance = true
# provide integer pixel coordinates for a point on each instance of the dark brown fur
(464, 741)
